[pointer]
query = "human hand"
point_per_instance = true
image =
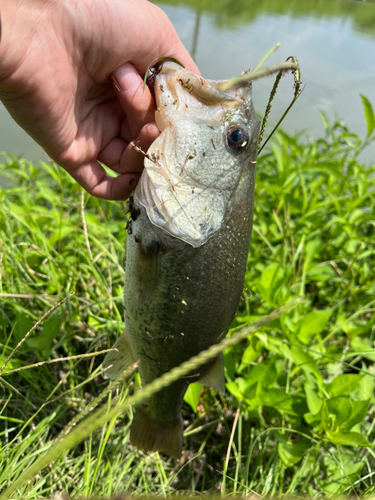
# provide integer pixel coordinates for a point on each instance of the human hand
(70, 75)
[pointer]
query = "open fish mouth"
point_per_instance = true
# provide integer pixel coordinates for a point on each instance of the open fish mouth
(176, 87)
(208, 137)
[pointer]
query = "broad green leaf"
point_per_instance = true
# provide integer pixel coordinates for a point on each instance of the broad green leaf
(269, 283)
(238, 387)
(192, 395)
(355, 328)
(347, 438)
(263, 372)
(314, 402)
(369, 115)
(352, 245)
(275, 345)
(252, 352)
(366, 388)
(359, 410)
(311, 249)
(251, 397)
(343, 477)
(11, 365)
(313, 419)
(343, 385)
(234, 389)
(363, 346)
(313, 324)
(275, 398)
(291, 453)
(281, 438)
(230, 362)
(335, 412)
(93, 219)
(304, 361)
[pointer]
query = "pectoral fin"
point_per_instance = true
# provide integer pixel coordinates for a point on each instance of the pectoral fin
(215, 376)
(118, 360)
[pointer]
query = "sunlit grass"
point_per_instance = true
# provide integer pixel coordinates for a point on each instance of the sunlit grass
(313, 235)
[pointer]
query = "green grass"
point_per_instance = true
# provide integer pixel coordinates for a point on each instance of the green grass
(297, 416)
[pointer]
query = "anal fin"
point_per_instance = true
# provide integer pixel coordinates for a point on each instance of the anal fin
(214, 377)
(117, 361)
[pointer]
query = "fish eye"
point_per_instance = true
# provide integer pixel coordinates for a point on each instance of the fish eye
(237, 137)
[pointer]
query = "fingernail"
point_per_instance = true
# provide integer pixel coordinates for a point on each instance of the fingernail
(126, 79)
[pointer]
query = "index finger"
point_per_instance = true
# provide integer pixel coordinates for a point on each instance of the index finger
(137, 103)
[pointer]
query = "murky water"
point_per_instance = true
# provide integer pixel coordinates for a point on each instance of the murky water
(333, 40)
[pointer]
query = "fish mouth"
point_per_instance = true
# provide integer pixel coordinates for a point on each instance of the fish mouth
(177, 87)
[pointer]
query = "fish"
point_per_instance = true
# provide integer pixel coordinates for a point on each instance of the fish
(188, 238)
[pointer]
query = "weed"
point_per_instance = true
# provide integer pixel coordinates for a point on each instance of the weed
(298, 413)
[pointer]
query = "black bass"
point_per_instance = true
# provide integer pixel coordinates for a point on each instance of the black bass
(187, 244)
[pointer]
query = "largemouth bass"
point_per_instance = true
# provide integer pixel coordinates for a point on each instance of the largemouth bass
(188, 238)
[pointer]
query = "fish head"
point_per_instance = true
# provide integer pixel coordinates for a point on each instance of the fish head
(203, 162)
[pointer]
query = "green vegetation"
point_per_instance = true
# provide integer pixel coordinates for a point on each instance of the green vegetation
(298, 413)
(229, 13)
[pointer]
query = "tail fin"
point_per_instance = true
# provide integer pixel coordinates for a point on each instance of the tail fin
(149, 435)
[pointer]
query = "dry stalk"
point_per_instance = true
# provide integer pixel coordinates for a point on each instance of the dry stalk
(50, 361)
(155, 162)
(85, 225)
(232, 436)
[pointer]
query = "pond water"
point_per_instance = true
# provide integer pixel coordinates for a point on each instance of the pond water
(334, 41)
